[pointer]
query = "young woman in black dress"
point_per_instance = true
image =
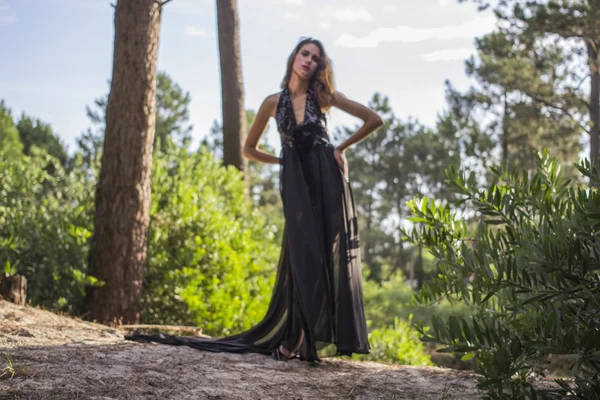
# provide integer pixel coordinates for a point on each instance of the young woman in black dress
(317, 299)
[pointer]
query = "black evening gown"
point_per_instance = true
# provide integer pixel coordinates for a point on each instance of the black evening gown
(318, 291)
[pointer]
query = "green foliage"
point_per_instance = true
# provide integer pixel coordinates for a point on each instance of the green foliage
(386, 300)
(393, 298)
(45, 222)
(172, 112)
(541, 58)
(263, 179)
(10, 143)
(391, 314)
(36, 134)
(398, 343)
(397, 162)
(517, 83)
(172, 120)
(211, 257)
(28, 136)
(530, 277)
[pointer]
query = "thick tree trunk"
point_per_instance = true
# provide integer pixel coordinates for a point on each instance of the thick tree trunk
(232, 87)
(119, 243)
(594, 103)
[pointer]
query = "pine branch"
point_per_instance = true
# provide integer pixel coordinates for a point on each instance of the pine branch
(560, 108)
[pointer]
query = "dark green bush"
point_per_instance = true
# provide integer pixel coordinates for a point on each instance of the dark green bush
(530, 276)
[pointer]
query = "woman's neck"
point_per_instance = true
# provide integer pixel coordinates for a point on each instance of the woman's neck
(297, 86)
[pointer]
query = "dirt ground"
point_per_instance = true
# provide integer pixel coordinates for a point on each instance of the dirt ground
(58, 357)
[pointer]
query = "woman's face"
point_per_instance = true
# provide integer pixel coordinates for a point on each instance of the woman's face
(307, 61)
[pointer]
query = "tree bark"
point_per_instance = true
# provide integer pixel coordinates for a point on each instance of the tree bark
(592, 48)
(118, 251)
(14, 289)
(504, 137)
(232, 87)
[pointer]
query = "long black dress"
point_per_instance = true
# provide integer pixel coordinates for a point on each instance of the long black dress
(318, 291)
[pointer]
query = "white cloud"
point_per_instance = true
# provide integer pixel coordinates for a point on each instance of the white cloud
(324, 25)
(351, 15)
(388, 9)
(443, 3)
(475, 27)
(289, 15)
(188, 7)
(449, 54)
(297, 2)
(6, 19)
(194, 31)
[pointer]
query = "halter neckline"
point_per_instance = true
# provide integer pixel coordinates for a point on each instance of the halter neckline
(291, 106)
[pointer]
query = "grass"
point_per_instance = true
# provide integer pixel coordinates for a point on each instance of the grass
(9, 369)
(445, 392)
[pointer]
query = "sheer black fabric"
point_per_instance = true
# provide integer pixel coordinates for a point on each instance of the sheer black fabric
(318, 291)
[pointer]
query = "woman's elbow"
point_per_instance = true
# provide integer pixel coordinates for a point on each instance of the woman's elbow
(246, 152)
(377, 121)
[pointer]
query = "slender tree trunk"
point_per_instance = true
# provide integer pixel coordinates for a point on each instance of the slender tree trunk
(414, 265)
(400, 258)
(232, 87)
(592, 47)
(367, 248)
(504, 138)
(118, 252)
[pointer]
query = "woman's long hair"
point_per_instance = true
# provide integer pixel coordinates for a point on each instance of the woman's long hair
(322, 79)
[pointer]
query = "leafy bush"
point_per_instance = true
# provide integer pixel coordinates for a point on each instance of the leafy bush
(211, 258)
(530, 276)
(398, 343)
(45, 225)
(391, 315)
(394, 298)
(10, 142)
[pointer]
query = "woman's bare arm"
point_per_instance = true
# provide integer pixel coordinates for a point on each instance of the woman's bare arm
(371, 119)
(251, 151)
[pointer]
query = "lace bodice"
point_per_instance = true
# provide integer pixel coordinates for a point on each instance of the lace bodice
(312, 130)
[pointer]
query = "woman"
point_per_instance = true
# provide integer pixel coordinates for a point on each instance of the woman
(317, 298)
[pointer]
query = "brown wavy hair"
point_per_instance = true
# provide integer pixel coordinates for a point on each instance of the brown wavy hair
(322, 79)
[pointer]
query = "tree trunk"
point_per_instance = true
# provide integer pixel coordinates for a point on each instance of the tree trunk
(504, 138)
(367, 247)
(592, 48)
(118, 251)
(14, 288)
(232, 87)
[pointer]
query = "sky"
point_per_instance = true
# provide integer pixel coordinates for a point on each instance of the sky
(57, 54)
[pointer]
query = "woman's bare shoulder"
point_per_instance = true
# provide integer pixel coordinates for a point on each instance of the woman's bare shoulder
(270, 103)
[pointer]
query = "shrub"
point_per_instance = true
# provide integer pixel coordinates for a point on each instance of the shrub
(530, 276)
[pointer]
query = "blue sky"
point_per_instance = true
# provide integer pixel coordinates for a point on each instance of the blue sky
(57, 54)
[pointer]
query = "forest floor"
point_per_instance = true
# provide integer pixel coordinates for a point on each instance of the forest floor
(44, 355)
